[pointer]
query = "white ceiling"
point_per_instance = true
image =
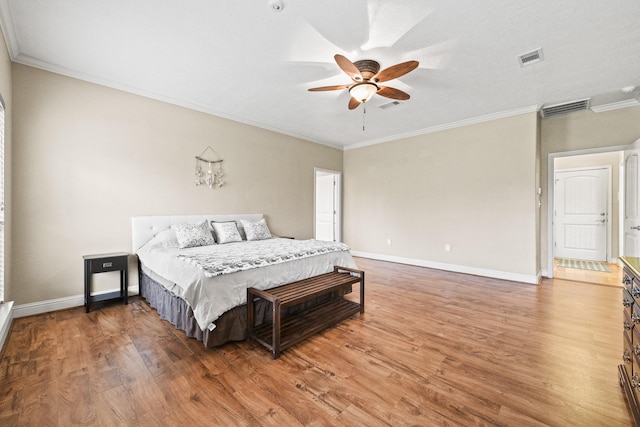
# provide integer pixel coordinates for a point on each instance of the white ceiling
(241, 60)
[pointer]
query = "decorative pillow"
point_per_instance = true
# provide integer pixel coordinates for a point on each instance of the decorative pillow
(226, 232)
(256, 230)
(190, 235)
(167, 239)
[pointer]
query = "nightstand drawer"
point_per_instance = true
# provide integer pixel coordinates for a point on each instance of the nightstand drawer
(107, 263)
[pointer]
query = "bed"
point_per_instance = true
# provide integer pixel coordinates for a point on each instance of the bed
(201, 289)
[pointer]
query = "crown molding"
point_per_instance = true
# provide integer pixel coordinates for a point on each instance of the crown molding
(8, 30)
(615, 105)
(53, 68)
(447, 126)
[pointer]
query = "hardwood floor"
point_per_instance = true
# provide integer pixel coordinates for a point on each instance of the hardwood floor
(433, 348)
(613, 278)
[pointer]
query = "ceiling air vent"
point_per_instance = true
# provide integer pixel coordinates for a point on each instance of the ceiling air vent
(530, 57)
(565, 108)
(389, 104)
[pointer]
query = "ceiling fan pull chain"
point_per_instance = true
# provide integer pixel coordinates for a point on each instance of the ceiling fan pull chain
(364, 111)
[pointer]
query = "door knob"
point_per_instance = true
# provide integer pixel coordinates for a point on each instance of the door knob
(637, 227)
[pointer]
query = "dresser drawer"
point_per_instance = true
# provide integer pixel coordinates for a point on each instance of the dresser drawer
(635, 318)
(635, 289)
(635, 377)
(104, 264)
(636, 345)
(628, 303)
(628, 326)
(627, 355)
(627, 278)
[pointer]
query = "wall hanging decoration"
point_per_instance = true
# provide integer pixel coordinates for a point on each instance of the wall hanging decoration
(209, 170)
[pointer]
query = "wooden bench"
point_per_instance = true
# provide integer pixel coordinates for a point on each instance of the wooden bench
(285, 332)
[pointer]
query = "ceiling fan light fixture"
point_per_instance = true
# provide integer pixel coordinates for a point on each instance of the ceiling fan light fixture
(363, 91)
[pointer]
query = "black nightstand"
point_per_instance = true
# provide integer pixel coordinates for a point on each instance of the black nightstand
(101, 264)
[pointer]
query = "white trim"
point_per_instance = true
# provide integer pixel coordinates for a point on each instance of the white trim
(516, 277)
(40, 307)
(48, 306)
(615, 105)
(6, 317)
(447, 126)
(6, 25)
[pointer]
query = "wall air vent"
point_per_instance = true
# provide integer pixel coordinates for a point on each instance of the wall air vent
(530, 57)
(565, 108)
(389, 104)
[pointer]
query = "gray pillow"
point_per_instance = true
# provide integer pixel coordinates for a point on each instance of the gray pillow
(226, 232)
(191, 235)
(256, 230)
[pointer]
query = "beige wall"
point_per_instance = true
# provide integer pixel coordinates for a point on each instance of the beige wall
(6, 92)
(87, 158)
(584, 130)
(473, 188)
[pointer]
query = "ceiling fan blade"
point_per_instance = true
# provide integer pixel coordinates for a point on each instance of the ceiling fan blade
(395, 71)
(337, 87)
(353, 103)
(348, 67)
(389, 92)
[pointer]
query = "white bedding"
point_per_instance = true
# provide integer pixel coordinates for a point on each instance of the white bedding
(210, 297)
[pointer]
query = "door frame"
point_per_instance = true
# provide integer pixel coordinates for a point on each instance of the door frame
(551, 193)
(607, 168)
(338, 200)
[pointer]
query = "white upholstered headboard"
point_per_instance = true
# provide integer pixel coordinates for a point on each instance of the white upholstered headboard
(144, 228)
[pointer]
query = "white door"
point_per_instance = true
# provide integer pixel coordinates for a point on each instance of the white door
(327, 206)
(631, 222)
(581, 214)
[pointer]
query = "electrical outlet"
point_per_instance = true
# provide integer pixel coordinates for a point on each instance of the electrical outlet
(447, 247)
(389, 242)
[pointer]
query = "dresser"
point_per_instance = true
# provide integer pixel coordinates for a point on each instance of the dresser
(629, 370)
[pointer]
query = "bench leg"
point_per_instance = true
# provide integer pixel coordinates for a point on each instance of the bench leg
(275, 352)
(250, 314)
(361, 292)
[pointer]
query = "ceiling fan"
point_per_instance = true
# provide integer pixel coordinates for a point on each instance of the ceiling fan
(366, 75)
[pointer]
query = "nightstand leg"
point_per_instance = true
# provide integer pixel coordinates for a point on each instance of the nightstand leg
(87, 288)
(124, 281)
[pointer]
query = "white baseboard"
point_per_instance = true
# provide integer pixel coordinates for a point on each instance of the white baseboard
(516, 277)
(47, 306)
(6, 317)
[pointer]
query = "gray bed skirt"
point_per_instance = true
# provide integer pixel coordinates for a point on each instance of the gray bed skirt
(231, 326)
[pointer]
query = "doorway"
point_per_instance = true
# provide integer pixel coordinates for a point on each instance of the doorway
(327, 210)
(585, 215)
